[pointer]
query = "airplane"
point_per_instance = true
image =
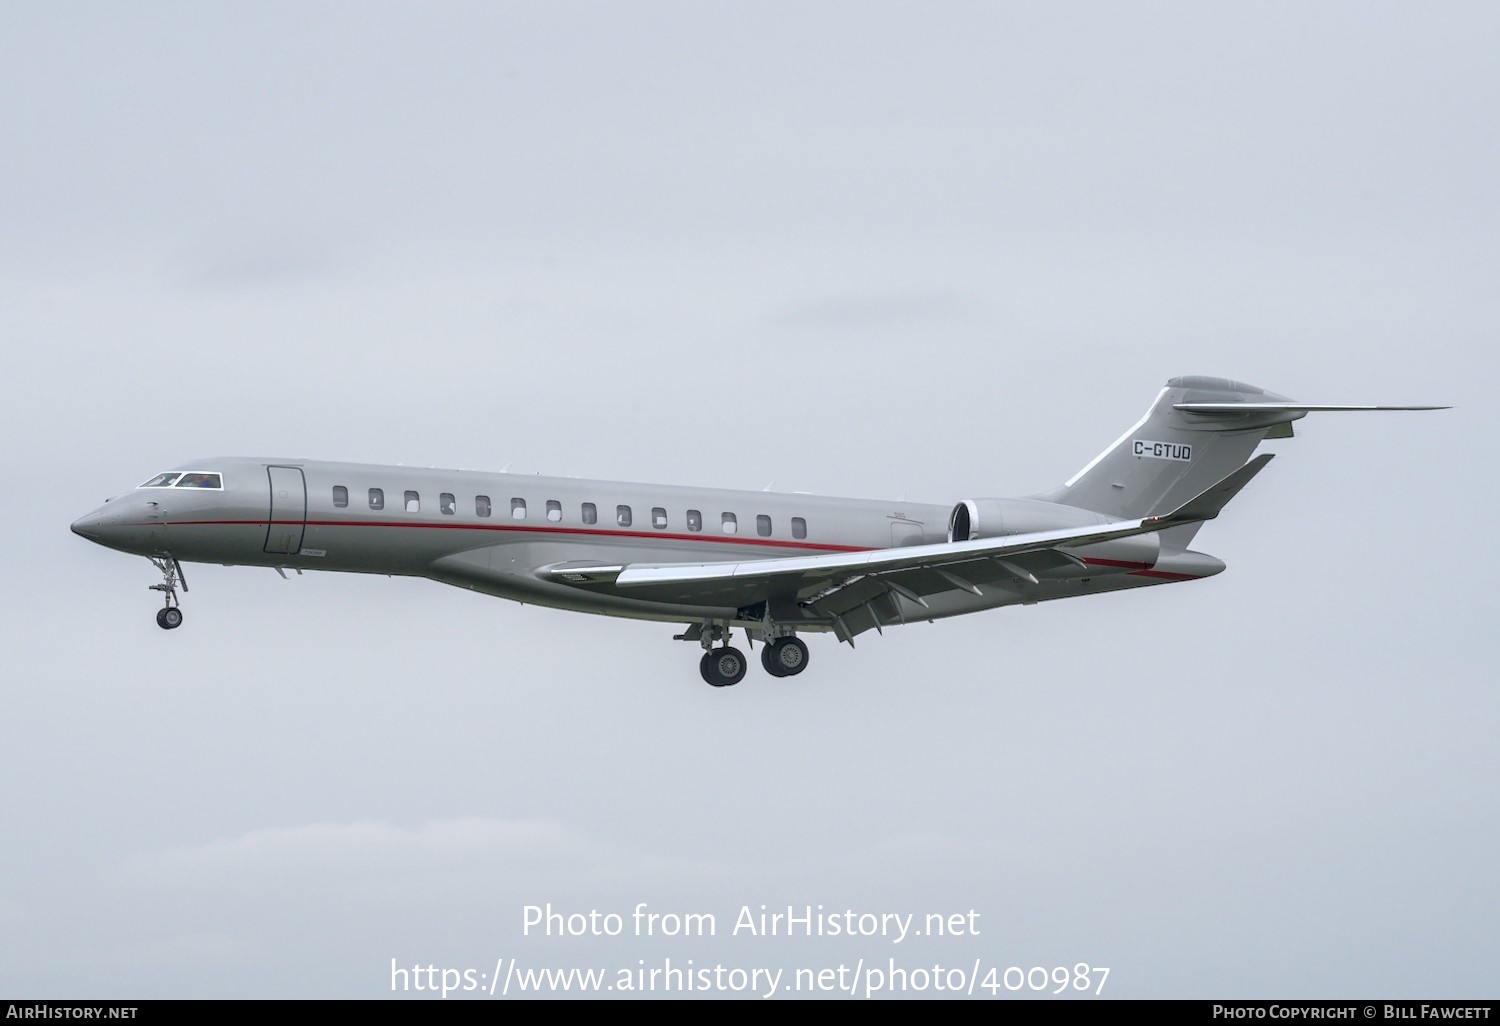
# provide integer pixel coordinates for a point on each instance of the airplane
(774, 565)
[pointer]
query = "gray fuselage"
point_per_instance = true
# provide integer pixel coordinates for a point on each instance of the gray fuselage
(495, 533)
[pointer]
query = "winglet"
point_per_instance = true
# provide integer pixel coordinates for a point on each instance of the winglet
(1207, 503)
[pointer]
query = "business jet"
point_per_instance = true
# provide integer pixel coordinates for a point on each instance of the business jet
(773, 565)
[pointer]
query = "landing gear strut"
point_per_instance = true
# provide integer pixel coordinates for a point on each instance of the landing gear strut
(784, 657)
(170, 616)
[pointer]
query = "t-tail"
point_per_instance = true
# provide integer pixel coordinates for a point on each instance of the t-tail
(1199, 432)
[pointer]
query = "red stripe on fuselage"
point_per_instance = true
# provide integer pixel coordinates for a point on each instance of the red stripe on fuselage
(532, 529)
(1123, 564)
(1144, 569)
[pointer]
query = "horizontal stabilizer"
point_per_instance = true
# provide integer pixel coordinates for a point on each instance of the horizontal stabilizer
(1207, 503)
(1236, 409)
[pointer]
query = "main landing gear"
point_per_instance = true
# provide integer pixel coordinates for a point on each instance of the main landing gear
(784, 657)
(723, 665)
(170, 616)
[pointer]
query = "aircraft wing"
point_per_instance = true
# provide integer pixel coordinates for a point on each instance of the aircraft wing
(856, 591)
(835, 583)
(796, 573)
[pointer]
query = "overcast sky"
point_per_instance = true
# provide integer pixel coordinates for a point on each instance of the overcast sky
(888, 249)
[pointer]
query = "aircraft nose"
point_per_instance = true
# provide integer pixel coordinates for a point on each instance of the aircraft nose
(87, 527)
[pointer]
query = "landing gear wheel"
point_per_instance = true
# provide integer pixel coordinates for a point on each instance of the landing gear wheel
(722, 667)
(169, 616)
(784, 657)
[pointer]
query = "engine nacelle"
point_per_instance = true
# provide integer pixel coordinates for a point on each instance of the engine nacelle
(974, 519)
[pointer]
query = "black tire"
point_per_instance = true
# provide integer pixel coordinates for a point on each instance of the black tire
(722, 667)
(768, 660)
(785, 657)
(169, 618)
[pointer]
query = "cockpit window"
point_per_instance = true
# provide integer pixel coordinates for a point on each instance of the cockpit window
(198, 480)
(160, 481)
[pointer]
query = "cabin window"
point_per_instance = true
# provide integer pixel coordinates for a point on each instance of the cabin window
(481, 505)
(160, 481)
(763, 526)
(377, 498)
(659, 518)
(590, 513)
(554, 511)
(799, 527)
(447, 505)
(200, 481)
(518, 509)
(622, 516)
(695, 520)
(340, 496)
(731, 523)
(413, 502)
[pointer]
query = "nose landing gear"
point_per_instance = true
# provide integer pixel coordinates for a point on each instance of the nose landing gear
(170, 616)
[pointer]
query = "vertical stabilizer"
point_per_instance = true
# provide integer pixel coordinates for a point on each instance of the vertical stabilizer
(1170, 455)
